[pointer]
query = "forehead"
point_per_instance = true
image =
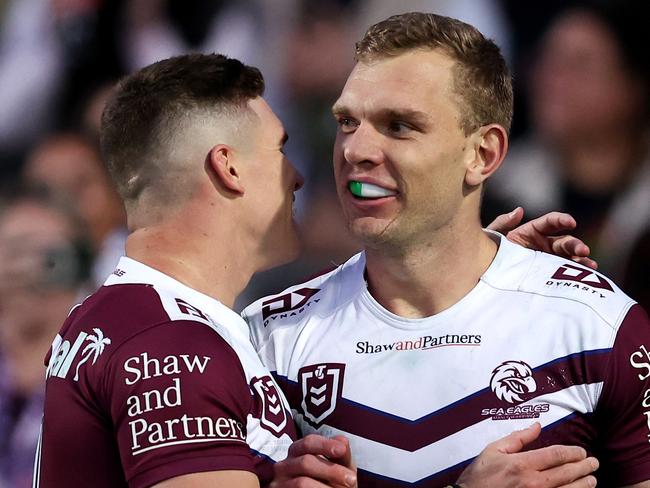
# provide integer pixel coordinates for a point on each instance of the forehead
(270, 124)
(581, 33)
(33, 222)
(416, 80)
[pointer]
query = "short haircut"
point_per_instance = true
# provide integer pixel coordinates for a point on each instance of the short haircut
(481, 77)
(150, 107)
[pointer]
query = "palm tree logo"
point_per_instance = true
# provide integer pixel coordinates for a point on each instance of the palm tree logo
(97, 344)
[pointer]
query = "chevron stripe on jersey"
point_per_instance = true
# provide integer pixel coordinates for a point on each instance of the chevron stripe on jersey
(538, 339)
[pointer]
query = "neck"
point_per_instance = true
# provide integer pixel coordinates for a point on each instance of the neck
(431, 277)
(216, 263)
(604, 164)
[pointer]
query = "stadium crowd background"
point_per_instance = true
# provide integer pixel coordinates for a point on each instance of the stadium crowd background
(579, 143)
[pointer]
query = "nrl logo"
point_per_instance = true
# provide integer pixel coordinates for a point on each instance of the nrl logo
(273, 415)
(512, 380)
(321, 386)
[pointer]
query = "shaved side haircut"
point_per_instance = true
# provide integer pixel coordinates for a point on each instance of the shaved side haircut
(155, 115)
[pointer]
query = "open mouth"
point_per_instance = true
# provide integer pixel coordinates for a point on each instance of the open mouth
(369, 191)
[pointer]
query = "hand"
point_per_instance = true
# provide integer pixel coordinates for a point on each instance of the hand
(502, 464)
(316, 461)
(538, 234)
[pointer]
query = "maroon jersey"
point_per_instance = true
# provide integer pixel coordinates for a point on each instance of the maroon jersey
(149, 379)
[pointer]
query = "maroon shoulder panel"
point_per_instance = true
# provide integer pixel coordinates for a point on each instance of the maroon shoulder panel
(133, 399)
(623, 412)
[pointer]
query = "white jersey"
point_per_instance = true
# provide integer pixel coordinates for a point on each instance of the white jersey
(538, 338)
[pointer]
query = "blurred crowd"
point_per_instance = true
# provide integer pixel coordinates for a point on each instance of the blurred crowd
(580, 142)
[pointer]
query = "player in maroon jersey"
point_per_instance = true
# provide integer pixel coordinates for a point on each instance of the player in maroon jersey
(152, 380)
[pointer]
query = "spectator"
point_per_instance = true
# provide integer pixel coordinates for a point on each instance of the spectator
(589, 153)
(68, 163)
(45, 261)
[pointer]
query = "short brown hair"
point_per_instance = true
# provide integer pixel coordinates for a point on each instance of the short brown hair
(148, 106)
(481, 76)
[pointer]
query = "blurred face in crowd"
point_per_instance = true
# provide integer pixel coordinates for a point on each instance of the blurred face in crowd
(34, 241)
(400, 140)
(67, 164)
(580, 87)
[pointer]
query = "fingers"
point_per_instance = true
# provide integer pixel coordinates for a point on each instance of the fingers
(517, 440)
(573, 248)
(574, 473)
(301, 482)
(346, 458)
(553, 223)
(316, 467)
(311, 458)
(552, 456)
(568, 246)
(590, 263)
(586, 482)
(318, 445)
(506, 222)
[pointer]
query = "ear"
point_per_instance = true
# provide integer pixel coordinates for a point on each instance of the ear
(491, 145)
(221, 162)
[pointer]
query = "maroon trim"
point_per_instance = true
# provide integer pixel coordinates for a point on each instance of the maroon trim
(411, 435)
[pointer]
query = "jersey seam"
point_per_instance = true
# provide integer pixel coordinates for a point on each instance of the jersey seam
(610, 324)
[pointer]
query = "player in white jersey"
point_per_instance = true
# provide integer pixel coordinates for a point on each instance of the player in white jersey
(441, 337)
(152, 380)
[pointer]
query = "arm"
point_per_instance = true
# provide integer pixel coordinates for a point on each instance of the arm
(539, 233)
(213, 479)
(623, 410)
(502, 464)
(176, 413)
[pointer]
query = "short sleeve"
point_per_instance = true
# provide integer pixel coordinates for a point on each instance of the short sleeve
(178, 400)
(623, 412)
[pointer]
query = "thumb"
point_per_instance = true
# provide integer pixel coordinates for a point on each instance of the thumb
(506, 222)
(518, 439)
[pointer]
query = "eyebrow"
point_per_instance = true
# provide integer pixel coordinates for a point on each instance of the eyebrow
(417, 117)
(285, 138)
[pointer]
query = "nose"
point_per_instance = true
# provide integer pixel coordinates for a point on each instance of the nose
(362, 145)
(298, 178)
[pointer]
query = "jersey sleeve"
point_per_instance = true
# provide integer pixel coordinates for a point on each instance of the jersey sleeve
(178, 401)
(623, 412)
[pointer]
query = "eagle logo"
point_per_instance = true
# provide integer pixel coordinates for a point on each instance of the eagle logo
(512, 380)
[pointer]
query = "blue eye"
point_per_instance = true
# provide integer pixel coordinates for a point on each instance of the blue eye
(346, 124)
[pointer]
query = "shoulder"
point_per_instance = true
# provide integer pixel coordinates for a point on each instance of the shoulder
(551, 281)
(318, 296)
(121, 319)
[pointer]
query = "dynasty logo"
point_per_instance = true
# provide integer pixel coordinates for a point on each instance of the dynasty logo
(512, 382)
(570, 276)
(288, 305)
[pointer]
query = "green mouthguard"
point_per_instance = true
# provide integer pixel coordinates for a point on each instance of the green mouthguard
(356, 188)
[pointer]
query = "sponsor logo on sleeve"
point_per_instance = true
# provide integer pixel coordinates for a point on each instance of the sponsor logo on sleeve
(578, 278)
(640, 359)
(154, 419)
(85, 347)
(512, 382)
(321, 386)
(288, 305)
(272, 412)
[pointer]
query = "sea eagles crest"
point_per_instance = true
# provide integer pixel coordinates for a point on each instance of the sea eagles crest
(321, 386)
